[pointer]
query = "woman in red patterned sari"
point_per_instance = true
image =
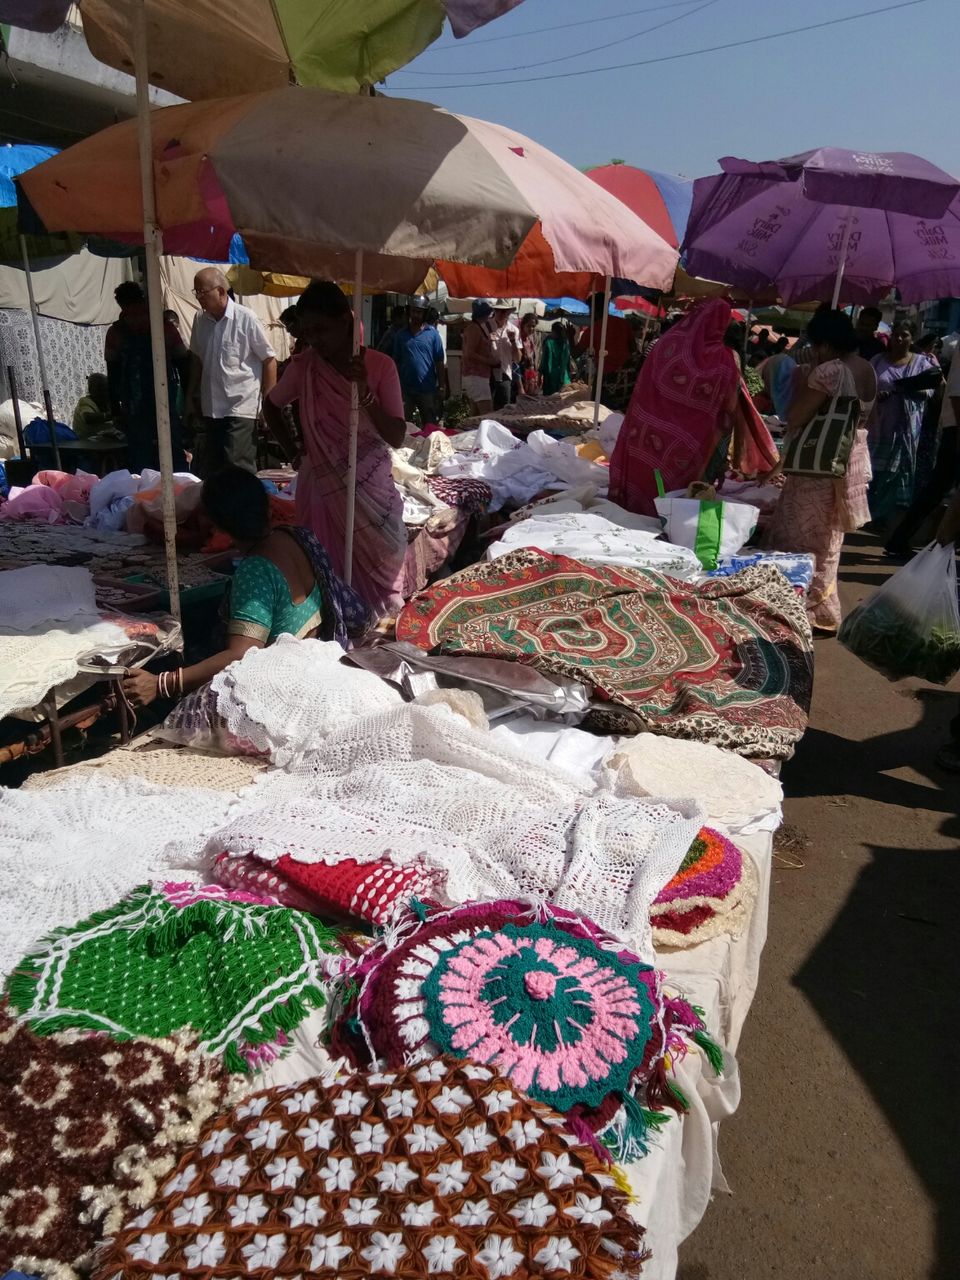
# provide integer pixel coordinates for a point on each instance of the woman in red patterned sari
(681, 409)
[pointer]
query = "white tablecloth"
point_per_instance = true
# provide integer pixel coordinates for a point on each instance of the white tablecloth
(674, 1182)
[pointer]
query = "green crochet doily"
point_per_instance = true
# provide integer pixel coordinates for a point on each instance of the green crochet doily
(241, 974)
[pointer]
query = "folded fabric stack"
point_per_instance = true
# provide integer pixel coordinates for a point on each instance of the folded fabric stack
(542, 995)
(797, 567)
(728, 662)
(420, 786)
(712, 893)
(90, 1129)
(241, 974)
(369, 893)
(734, 792)
(441, 1169)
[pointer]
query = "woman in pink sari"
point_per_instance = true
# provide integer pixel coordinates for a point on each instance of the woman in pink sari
(320, 379)
(682, 407)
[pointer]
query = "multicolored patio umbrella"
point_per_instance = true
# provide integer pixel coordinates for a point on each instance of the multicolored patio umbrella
(830, 219)
(369, 188)
(308, 177)
(207, 49)
(662, 201)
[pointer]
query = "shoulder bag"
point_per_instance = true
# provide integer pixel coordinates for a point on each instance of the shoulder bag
(822, 448)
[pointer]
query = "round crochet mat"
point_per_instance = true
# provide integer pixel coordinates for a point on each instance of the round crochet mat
(712, 893)
(542, 995)
(438, 1170)
(240, 973)
(711, 870)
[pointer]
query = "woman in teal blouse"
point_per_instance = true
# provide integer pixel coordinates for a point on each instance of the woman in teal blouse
(284, 585)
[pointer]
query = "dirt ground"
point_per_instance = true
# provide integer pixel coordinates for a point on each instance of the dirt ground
(844, 1157)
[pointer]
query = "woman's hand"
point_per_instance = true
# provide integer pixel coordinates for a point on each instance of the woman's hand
(140, 688)
(357, 372)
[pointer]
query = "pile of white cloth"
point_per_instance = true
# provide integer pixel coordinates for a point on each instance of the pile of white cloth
(48, 622)
(517, 470)
(596, 538)
(420, 784)
(287, 698)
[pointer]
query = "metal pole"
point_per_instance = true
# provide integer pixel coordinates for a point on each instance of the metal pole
(746, 330)
(41, 363)
(602, 354)
(153, 246)
(842, 265)
(354, 422)
(12, 382)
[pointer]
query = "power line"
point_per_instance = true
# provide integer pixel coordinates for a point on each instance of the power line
(597, 48)
(674, 57)
(459, 46)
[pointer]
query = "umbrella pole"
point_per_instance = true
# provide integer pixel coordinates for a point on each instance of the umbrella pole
(153, 245)
(842, 264)
(354, 422)
(41, 362)
(602, 354)
(746, 330)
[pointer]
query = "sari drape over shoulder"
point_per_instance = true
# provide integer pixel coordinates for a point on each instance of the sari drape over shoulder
(679, 411)
(379, 539)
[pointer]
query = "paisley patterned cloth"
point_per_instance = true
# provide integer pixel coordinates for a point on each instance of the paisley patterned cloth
(728, 662)
(72, 353)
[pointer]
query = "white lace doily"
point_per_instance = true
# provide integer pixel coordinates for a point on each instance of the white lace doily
(77, 848)
(33, 662)
(421, 783)
(44, 593)
(287, 698)
(732, 789)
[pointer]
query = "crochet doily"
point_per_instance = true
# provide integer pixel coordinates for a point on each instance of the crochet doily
(419, 784)
(287, 697)
(240, 974)
(546, 998)
(33, 662)
(712, 893)
(439, 1170)
(161, 764)
(728, 787)
(76, 848)
(87, 1127)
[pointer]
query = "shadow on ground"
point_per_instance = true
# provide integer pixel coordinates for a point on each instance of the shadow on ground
(892, 1003)
(864, 768)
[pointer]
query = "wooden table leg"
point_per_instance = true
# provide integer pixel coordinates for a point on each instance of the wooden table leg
(53, 719)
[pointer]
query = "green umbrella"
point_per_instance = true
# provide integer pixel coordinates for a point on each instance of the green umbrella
(208, 49)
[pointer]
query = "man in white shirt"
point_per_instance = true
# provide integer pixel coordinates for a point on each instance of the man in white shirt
(507, 338)
(234, 368)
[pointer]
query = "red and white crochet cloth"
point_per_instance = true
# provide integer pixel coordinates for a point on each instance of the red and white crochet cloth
(370, 891)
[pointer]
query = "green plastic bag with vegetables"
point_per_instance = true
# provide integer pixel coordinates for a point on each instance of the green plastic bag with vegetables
(911, 626)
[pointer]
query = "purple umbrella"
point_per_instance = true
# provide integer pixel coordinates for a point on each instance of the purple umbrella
(809, 224)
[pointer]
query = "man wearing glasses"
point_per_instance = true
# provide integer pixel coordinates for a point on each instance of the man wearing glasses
(234, 369)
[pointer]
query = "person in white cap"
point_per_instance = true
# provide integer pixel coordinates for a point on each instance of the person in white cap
(506, 334)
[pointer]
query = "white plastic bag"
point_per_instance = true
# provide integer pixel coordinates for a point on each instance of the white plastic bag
(711, 529)
(911, 626)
